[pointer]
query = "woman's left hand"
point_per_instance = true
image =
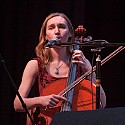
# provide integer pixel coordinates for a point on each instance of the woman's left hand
(79, 58)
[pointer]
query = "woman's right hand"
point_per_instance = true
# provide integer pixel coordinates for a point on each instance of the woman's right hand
(50, 100)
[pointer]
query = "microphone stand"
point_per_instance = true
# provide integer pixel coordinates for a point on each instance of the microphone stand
(15, 88)
(94, 43)
(99, 44)
(98, 75)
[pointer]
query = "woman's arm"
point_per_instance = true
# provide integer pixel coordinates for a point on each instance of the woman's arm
(79, 58)
(28, 78)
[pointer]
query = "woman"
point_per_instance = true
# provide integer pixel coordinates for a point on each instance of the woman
(51, 64)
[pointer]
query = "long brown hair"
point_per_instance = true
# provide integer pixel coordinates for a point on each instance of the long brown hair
(45, 54)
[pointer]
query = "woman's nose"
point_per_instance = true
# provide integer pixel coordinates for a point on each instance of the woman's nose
(57, 30)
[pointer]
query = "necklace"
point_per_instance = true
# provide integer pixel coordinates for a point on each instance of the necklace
(57, 69)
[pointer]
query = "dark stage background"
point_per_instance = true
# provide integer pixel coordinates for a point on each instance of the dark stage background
(20, 26)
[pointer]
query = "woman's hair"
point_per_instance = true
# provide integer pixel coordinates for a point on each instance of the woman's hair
(45, 54)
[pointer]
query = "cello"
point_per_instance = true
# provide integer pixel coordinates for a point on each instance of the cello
(79, 97)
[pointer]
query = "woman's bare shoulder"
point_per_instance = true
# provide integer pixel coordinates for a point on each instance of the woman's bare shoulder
(32, 65)
(33, 62)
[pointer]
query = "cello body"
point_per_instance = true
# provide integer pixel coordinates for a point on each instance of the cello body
(82, 99)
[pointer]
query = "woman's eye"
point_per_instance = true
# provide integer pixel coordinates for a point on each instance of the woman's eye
(50, 28)
(62, 26)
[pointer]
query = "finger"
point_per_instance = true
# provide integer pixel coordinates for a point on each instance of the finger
(78, 52)
(55, 100)
(77, 57)
(60, 97)
(52, 103)
(76, 61)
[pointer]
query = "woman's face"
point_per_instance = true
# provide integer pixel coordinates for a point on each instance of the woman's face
(57, 28)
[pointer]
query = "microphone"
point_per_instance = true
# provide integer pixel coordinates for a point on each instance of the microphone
(54, 41)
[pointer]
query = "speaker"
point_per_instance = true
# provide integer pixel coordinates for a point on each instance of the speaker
(108, 116)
